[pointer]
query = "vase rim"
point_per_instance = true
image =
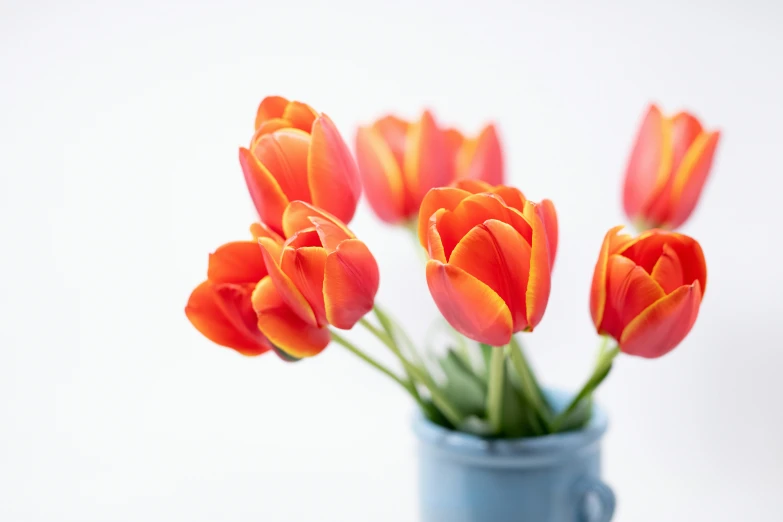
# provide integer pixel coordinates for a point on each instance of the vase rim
(525, 451)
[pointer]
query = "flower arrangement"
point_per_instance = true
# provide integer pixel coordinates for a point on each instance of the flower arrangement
(302, 278)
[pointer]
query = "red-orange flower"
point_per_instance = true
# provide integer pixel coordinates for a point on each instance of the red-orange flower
(297, 154)
(322, 275)
(668, 167)
(647, 290)
(490, 259)
(220, 307)
(400, 161)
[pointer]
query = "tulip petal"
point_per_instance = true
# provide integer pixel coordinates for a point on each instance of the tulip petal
(691, 177)
(539, 281)
(425, 165)
(630, 290)
(284, 154)
(470, 306)
(306, 237)
(434, 243)
(667, 271)
(285, 287)
(474, 186)
(258, 230)
(330, 234)
(350, 283)
(381, 175)
(444, 197)
(546, 210)
(305, 267)
(685, 130)
(298, 216)
(394, 133)
(498, 256)
(270, 107)
(268, 127)
(650, 163)
(267, 196)
(222, 313)
(598, 288)
(300, 115)
(664, 324)
(285, 329)
(483, 158)
(237, 262)
(332, 172)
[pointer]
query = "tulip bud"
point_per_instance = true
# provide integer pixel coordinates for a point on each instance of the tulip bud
(647, 290)
(322, 275)
(490, 259)
(297, 154)
(668, 167)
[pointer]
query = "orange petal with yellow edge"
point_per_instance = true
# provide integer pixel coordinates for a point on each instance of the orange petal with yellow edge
(598, 288)
(690, 179)
(237, 262)
(663, 325)
(470, 306)
(298, 214)
(285, 287)
(381, 175)
(332, 172)
(300, 115)
(267, 196)
(284, 154)
(667, 271)
(498, 256)
(270, 107)
(223, 314)
(685, 129)
(394, 132)
(425, 164)
(305, 267)
(539, 281)
(446, 198)
(434, 243)
(258, 230)
(268, 127)
(630, 290)
(546, 210)
(648, 165)
(486, 158)
(285, 329)
(350, 283)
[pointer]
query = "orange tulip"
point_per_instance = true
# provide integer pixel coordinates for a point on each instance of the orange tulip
(667, 170)
(322, 275)
(400, 161)
(490, 259)
(297, 154)
(647, 290)
(220, 307)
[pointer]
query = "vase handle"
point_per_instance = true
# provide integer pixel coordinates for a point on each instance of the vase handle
(595, 500)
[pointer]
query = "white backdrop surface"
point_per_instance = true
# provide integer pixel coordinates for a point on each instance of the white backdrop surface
(119, 125)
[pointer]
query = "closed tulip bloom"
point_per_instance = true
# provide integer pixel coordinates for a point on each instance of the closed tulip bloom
(321, 275)
(220, 307)
(298, 154)
(490, 259)
(667, 170)
(647, 290)
(400, 161)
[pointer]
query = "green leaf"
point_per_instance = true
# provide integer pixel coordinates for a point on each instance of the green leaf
(463, 388)
(579, 416)
(516, 414)
(602, 369)
(486, 355)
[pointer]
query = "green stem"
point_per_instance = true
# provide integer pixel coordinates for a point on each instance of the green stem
(450, 411)
(530, 387)
(497, 374)
(601, 370)
(366, 358)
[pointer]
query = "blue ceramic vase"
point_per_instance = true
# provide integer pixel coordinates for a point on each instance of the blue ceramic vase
(554, 478)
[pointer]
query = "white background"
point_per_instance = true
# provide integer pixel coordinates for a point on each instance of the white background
(119, 128)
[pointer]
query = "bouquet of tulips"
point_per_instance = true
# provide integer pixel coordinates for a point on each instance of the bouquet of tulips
(302, 278)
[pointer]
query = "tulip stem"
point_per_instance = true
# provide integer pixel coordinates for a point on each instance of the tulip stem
(531, 389)
(366, 358)
(438, 398)
(601, 370)
(497, 374)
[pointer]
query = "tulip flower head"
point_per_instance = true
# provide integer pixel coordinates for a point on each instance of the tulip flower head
(320, 276)
(220, 307)
(297, 154)
(490, 259)
(400, 161)
(647, 290)
(667, 170)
